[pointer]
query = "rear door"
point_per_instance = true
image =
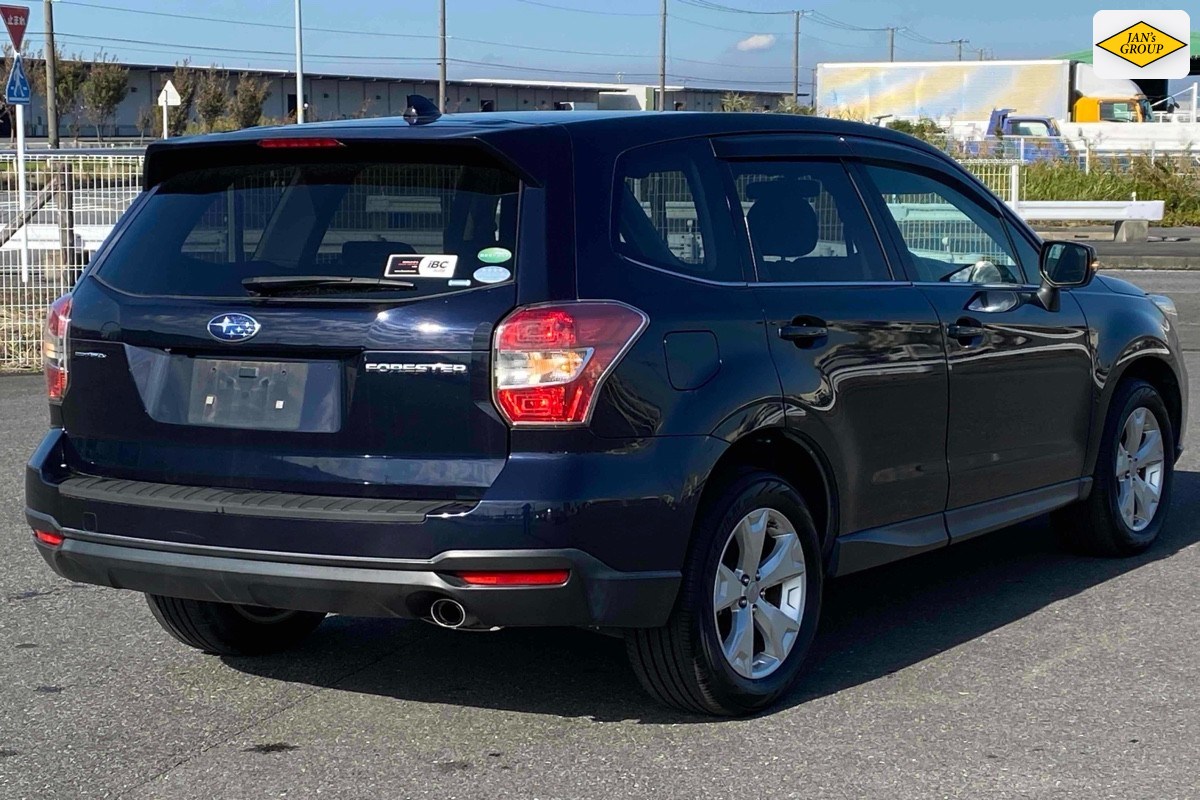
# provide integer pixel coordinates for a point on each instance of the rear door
(231, 336)
(1020, 375)
(858, 351)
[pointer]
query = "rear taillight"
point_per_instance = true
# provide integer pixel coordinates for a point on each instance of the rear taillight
(54, 348)
(549, 360)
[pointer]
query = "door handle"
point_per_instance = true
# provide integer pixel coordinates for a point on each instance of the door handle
(965, 331)
(803, 335)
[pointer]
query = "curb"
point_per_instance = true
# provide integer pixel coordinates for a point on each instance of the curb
(1150, 262)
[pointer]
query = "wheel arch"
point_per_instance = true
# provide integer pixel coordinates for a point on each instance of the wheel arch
(1155, 370)
(794, 458)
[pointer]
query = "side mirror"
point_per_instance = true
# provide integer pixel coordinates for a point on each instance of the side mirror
(1064, 265)
(1067, 264)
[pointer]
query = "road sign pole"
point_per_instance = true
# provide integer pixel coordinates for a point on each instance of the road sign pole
(17, 92)
(21, 188)
(166, 121)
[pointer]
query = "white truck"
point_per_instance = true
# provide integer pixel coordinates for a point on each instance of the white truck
(968, 91)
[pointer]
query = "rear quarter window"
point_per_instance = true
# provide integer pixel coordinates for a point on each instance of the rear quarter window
(203, 232)
(669, 206)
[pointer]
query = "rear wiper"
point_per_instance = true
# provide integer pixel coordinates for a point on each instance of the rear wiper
(273, 284)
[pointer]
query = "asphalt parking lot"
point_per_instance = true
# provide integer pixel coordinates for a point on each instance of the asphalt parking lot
(1000, 668)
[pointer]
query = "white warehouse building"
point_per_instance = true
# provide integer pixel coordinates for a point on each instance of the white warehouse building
(348, 96)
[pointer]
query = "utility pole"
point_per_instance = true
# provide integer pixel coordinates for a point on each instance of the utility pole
(960, 43)
(442, 56)
(299, 68)
(51, 76)
(891, 44)
(812, 96)
(662, 59)
(796, 58)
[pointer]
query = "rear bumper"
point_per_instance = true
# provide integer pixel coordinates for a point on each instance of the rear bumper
(619, 521)
(592, 595)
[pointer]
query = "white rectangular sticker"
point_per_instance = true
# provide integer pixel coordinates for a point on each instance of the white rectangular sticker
(409, 266)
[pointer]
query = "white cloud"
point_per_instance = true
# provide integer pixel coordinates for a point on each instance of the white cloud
(759, 41)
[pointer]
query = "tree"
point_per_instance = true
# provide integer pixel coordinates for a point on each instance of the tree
(106, 85)
(732, 101)
(924, 129)
(212, 97)
(789, 106)
(69, 77)
(149, 121)
(248, 99)
(6, 111)
(185, 78)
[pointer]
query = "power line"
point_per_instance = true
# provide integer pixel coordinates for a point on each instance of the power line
(589, 10)
(279, 55)
(711, 6)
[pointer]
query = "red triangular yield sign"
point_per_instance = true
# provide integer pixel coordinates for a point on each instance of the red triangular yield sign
(15, 19)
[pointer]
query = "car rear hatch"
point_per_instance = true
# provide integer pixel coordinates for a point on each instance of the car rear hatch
(309, 316)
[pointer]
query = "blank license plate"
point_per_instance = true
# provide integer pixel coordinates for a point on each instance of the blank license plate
(269, 395)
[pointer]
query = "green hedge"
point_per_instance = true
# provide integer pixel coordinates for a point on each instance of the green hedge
(1175, 181)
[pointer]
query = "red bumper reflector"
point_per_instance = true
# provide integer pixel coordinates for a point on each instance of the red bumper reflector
(49, 537)
(543, 577)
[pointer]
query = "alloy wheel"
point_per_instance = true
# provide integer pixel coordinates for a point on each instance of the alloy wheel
(1140, 469)
(759, 593)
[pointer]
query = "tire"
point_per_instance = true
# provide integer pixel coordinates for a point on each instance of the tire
(684, 664)
(1099, 525)
(229, 630)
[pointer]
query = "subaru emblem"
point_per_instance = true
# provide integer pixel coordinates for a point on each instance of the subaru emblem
(233, 327)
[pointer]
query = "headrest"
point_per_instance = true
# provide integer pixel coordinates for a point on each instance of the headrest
(782, 222)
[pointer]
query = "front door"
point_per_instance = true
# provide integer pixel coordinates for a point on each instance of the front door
(1020, 374)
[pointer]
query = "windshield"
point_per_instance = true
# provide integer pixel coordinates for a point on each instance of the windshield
(442, 227)
(1032, 128)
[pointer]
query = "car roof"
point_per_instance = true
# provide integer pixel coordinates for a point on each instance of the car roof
(629, 128)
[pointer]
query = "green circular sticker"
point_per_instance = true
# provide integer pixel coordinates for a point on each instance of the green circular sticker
(494, 255)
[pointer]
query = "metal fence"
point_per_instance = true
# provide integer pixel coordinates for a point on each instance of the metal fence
(71, 204)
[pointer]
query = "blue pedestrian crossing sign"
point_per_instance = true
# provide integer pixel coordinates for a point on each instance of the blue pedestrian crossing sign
(17, 91)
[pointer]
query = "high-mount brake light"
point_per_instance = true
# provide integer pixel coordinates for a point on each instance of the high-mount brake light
(55, 346)
(298, 142)
(549, 360)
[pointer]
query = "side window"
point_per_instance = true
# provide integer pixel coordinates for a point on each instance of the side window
(949, 236)
(1028, 254)
(665, 212)
(807, 223)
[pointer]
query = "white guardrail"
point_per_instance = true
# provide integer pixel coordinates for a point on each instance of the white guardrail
(1088, 210)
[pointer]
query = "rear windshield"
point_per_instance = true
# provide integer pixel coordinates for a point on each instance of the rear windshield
(441, 227)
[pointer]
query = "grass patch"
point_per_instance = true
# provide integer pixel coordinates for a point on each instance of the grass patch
(1174, 181)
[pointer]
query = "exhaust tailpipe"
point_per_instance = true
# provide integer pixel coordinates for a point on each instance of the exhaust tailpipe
(447, 613)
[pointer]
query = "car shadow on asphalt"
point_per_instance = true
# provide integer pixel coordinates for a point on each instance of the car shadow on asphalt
(875, 623)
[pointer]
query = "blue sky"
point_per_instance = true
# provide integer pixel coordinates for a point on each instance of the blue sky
(599, 40)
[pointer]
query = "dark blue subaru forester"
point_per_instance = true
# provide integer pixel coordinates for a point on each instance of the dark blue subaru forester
(655, 374)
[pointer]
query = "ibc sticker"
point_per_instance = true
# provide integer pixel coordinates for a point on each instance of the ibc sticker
(1141, 44)
(408, 266)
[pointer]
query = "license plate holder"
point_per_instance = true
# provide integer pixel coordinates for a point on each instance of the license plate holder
(264, 395)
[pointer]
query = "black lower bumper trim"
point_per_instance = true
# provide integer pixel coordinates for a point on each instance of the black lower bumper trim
(594, 594)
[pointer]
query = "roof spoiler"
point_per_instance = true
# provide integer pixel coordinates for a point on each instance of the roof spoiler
(421, 110)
